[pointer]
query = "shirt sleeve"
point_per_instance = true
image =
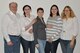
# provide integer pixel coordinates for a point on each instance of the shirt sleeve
(35, 29)
(60, 23)
(75, 27)
(4, 28)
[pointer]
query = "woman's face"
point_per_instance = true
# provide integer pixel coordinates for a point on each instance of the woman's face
(54, 10)
(67, 11)
(27, 10)
(40, 13)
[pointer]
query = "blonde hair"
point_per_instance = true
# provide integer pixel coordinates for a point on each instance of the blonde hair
(72, 15)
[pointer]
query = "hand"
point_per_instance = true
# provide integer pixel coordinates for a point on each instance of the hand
(49, 26)
(10, 43)
(33, 21)
(30, 31)
(27, 27)
(37, 45)
(50, 40)
(72, 44)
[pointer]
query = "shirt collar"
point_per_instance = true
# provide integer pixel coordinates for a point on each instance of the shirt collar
(11, 13)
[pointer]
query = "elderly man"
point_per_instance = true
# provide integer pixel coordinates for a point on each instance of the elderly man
(11, 30)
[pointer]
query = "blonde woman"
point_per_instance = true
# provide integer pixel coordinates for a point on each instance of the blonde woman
(70, 30)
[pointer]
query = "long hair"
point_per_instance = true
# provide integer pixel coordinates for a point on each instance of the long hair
(72, 15)
(24, 8)
(57, 10)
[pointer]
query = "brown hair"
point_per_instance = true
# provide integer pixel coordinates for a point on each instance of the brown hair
(57, 10)
(25, 7)
(40, 9)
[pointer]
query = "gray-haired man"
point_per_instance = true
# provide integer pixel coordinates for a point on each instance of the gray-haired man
(11, 30)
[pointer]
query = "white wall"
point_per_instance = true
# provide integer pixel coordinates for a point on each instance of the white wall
(46, 4)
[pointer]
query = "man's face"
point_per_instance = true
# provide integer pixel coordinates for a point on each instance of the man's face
(13, 7)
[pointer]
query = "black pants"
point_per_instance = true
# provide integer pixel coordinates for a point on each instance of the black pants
(52, 47)
(28, 45)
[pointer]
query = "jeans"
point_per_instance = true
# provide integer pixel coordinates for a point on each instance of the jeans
(15, 48)
(51, 47)
(65, 45)
(27, 45)
(42, 44)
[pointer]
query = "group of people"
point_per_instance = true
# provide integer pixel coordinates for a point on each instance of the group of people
(33, 32)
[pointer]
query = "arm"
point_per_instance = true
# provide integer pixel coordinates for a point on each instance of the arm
(75, 32)
(60, 26)
(35, 29)
(4, 28)
(33, 21)
(75, 27)
(49, 25)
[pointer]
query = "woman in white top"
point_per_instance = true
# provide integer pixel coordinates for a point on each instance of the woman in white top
(70, 30)
(27, 39)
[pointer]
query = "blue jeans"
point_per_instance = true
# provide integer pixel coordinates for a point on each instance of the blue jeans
(15, 48)
(42, 44)
(65, 45)
(27, 45)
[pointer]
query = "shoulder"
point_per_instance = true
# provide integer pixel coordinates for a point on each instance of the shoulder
(49, 18)
(72, 19)
(58, 17)
(33, 17)
(5, 16)
(75, 19)
(22, 18)
(18, 14)
(37, 20)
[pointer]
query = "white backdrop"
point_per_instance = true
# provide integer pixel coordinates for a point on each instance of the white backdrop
(46, 4)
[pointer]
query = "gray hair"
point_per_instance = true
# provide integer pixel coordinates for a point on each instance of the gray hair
(13, 3)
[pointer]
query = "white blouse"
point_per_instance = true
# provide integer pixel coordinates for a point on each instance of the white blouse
(70, 28)
(25, 21)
